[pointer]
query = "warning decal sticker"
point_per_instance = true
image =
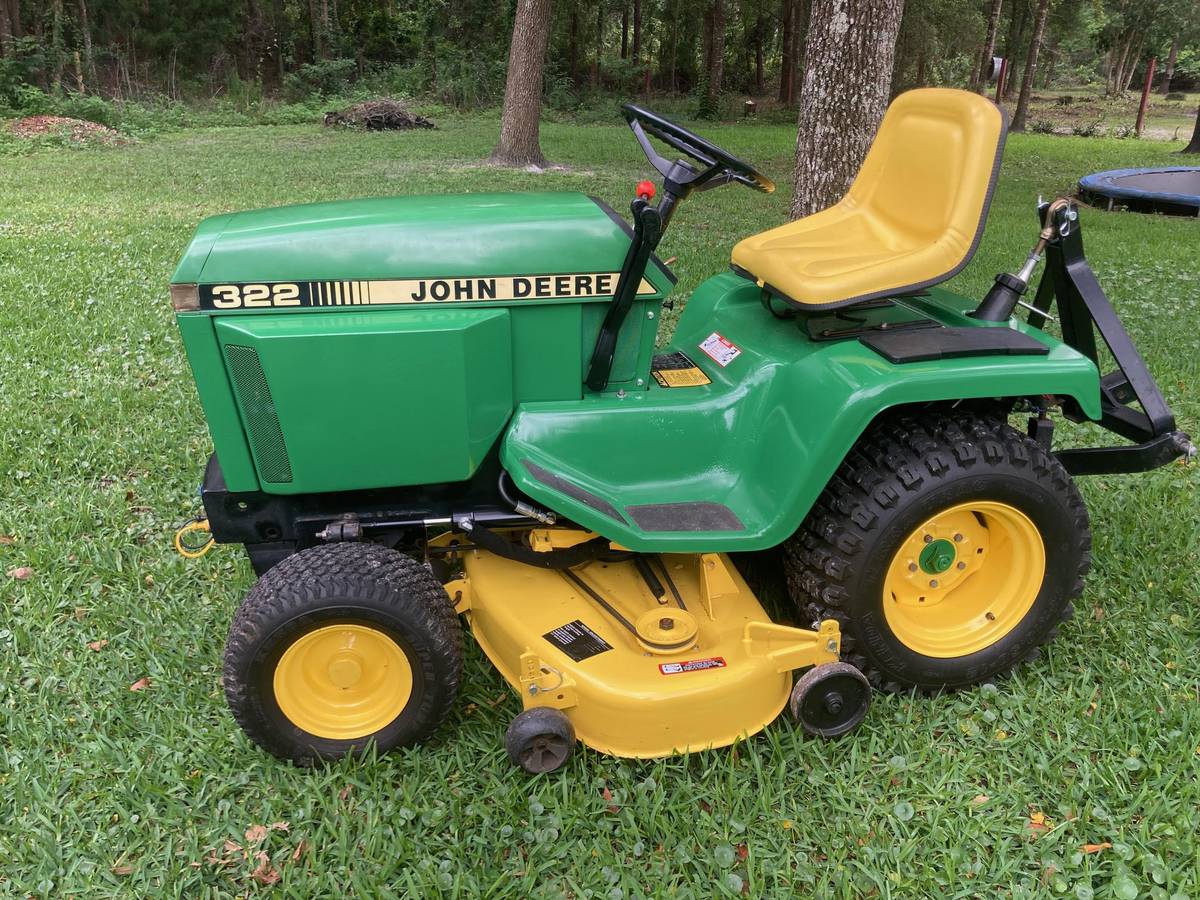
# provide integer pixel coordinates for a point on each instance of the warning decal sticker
(692, 665)
(677, 370)
(577, 641)
(720, 350)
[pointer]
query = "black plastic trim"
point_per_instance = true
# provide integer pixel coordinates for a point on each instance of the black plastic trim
(695, 516)
(920, 345)
(574, 491)
(628, 229)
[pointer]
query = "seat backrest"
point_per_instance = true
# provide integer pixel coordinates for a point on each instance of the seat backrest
(932, 167)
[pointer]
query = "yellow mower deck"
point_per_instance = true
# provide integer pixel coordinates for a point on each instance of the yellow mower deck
(643, 677)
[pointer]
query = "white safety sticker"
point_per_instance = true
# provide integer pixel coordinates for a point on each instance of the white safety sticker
(692, 665)
(720, 350)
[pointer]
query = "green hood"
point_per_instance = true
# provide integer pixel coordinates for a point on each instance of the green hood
(410, 237)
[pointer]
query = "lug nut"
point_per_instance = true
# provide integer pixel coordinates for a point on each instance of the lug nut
(957, 538)
(666, 623)
(933, 582)
(929, 538)
(912, 567)
(962, 565)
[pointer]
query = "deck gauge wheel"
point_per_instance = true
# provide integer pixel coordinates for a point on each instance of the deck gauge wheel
(830, 700)
(540, 740)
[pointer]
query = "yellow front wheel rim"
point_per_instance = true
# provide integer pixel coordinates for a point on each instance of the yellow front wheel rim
(343, 682)
(964, 579)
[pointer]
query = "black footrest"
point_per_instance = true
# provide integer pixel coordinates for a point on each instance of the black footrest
(946, 343)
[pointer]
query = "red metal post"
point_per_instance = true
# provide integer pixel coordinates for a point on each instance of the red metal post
(1141, 118)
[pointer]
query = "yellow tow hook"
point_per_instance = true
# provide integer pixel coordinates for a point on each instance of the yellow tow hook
(195, 551)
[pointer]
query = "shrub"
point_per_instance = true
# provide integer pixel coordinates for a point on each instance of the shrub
(1042, 126)
(1176, 95)
(90, 109)
(1087, 129)
(320, 79)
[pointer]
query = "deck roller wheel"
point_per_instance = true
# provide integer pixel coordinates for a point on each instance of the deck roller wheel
(540, 740)
(830, 700)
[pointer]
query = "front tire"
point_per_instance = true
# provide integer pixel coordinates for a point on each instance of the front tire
(340, 647)
(948, 547)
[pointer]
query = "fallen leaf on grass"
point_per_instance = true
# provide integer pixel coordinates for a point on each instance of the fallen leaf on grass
(980, 799)
(1096, 848)
(122, 870)
(1038, 824)
(1098, 613)
(301, 849)
(232, 847)
(345, 792)
(264, 872)
(7, 540)
(742, 851)
(21, 573)
(97, 646)
(140, 685)
(256, 833)
(607, 795)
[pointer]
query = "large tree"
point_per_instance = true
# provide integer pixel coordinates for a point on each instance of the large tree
(1031, 61)
(848, 59)
(519, 123)
(1194, 144)
(979, 78)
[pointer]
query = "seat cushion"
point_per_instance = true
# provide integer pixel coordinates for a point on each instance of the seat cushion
(911, 219)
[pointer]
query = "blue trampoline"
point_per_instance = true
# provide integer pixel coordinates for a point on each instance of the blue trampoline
(1174, 191)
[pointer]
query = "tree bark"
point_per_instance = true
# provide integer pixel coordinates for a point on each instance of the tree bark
(760, 29)
(56, 43)
(787, 65)
(519, 123)
(1031, 61)
(1016, 32)
(714, 47)
(6, 29)
(318, 34)
(637, 29)
(849, 56)
(1169, 69)
(595, 75)
(625, 31)
(980, 80)
(85, 33)
(1194, 145)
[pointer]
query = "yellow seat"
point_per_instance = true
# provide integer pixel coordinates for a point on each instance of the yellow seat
(911, 219)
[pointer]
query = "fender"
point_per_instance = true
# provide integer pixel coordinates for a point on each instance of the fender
(737, 463)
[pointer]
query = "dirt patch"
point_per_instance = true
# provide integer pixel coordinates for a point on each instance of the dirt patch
(77, 131)
(377, 115)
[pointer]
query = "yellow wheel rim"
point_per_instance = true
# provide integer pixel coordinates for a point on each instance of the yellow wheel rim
(343, 681)
(963, 579)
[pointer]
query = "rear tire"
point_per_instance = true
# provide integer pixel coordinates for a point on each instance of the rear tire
(340, 647)
(948, 548)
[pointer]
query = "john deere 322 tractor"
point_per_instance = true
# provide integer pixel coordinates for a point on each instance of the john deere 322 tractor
(429, 407)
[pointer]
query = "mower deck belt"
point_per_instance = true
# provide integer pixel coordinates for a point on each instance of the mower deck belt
(947, 343)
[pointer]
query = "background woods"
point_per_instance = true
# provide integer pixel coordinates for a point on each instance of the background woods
(718, 51)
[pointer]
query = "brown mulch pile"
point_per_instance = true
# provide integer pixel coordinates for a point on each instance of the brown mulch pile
(377, 115)
(76, 130)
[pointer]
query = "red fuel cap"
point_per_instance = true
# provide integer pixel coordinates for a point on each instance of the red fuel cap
(645, 190)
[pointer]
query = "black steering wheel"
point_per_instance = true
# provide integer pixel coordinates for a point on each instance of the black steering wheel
(719, 166)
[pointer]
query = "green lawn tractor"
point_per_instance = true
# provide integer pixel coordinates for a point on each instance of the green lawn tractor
(429, 407)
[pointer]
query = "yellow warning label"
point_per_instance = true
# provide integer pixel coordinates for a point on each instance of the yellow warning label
(673, 370)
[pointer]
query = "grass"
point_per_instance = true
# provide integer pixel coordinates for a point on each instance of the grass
(106, 791)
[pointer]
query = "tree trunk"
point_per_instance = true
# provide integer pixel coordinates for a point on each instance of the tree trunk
(1016, 33)
(599, 44)
(760, 29)
(1194, 145)
(625, 31)
(1169, 70)
(573, 46)
(714, 59)
(318, 35)
(799, 30)
(787, 66)
(980, 80)
(849, 55)
(637, 29)
(1031, 61)
(58, 57)
(519, 123)
(85, 33)
(6, 29)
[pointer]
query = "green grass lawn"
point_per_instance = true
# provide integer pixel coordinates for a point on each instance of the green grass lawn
(106, 791)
